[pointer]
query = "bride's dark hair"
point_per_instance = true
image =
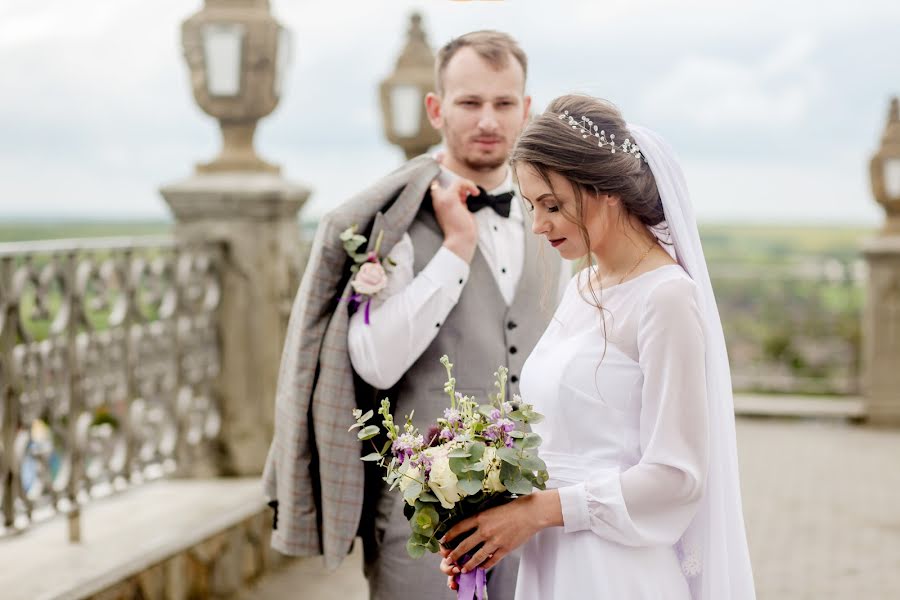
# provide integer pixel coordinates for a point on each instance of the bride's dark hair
(550, 145)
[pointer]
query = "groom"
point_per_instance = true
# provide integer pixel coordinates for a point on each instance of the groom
(468, 282)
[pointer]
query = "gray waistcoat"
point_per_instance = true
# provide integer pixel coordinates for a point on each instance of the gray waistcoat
(480, 333)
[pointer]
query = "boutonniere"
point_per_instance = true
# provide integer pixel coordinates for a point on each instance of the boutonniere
(370, 271)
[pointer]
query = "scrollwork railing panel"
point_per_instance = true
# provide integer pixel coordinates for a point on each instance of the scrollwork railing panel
(109, 353)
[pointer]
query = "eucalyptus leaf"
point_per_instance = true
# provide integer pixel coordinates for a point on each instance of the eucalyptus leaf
(458, 466)
(413, 491)
(532, 463)
(428, 497)
(508, 471)
(371, 457)
(369, 414)
(531, 440)
(459, 453)
(368, 432)
(477, 450)
(473, 466)
(532, 416)
(508, 455)
(425, 520)
(516, 415)
(414, 549)
(469, 486)
(519, 485)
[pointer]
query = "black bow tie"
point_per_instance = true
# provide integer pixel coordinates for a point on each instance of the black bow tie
(500, 203)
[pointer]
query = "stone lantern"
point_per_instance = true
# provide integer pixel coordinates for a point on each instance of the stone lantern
(403, 95)
(885, 170)
(237, 54)
(881, 321)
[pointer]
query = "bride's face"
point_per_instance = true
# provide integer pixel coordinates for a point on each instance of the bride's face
(556, 213)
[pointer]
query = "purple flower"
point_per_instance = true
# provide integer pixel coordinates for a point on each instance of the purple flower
(499, 431)
(423, 462)
(406, 445)
(492, 433)
(432, 437)
(447, 434)
(453, 417)
(495, 415)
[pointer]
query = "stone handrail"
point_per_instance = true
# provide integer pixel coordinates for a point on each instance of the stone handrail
(109, 356)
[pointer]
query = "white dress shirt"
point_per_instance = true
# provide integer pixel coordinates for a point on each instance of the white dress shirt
(403, 315)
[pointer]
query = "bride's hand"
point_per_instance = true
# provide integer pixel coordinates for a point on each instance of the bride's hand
(451, 571)
(502, 529)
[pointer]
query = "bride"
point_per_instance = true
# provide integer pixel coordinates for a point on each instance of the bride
(632, 376)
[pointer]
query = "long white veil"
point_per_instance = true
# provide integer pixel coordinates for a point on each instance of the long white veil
(714, 548)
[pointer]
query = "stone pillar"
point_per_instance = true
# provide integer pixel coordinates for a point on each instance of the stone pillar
(255, 216)
(881, 332)
(881, 321)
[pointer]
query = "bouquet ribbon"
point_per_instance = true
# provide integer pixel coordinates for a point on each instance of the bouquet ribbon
(472, 585)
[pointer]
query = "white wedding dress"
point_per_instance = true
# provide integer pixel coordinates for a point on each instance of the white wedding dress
(624, 438)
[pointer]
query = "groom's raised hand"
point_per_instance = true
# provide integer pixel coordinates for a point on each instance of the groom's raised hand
(453, 216)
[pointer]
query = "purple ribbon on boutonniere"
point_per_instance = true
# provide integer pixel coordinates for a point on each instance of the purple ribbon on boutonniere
(471, 585)
(357, 298)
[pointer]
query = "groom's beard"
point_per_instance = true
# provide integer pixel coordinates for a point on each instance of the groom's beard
(465, 150)
(484, 164)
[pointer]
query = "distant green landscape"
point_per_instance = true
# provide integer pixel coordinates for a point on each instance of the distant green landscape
(764, 244)
(38, 230)
(751, 244)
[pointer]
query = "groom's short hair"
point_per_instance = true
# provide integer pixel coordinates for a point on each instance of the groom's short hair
(493, 46)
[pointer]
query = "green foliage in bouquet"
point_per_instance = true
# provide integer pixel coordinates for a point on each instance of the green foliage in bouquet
(474, 458)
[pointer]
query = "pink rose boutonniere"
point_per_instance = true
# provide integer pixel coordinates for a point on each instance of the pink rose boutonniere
(370, 271)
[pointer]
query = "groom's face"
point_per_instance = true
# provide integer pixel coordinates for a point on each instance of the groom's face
(482, 110)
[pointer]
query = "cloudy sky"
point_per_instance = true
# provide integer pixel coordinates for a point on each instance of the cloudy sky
(774, 107)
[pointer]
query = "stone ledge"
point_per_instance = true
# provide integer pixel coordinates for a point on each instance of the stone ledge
(849, 408)
(162, 539)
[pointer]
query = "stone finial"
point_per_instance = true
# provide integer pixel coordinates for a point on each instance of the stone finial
(417, 52)
(891, 137)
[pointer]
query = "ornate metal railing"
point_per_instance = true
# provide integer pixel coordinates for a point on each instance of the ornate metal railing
(109, 354)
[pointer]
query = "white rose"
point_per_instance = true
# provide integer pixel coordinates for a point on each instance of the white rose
(370, 279)
(409, 476)
(491, 481)
(442, 479)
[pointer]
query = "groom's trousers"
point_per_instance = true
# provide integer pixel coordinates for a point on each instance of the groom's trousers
(393, 575)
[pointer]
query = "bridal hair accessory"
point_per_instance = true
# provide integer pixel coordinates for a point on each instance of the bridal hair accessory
(588, 128)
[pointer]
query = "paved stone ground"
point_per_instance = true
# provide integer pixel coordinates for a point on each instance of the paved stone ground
(821, 502)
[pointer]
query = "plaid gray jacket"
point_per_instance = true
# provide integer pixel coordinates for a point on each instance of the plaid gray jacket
(312, 453)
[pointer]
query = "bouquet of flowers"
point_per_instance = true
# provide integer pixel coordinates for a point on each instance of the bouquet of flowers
(476, 457)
